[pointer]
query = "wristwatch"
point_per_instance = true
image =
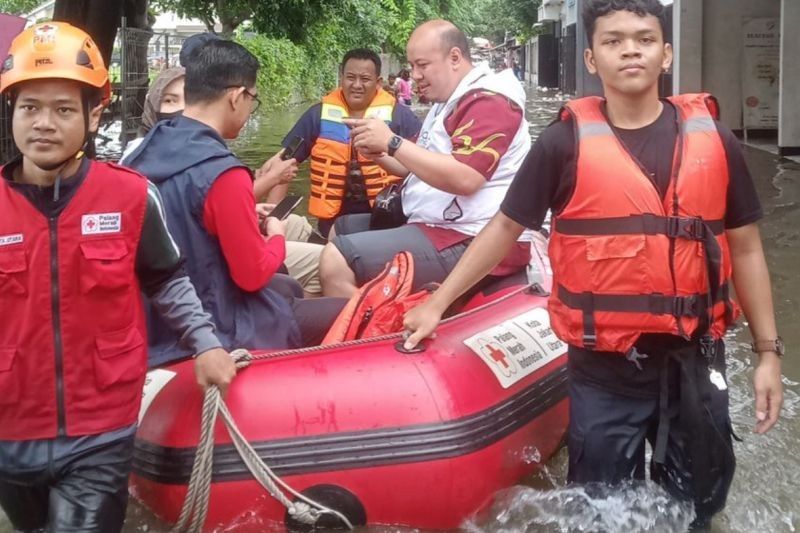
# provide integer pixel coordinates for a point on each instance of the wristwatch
(394, 144)
(771, 345)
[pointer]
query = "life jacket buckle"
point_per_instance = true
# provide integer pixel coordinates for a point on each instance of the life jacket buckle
(691, 228)
(685, 306)
(589, 341)
(708, 348)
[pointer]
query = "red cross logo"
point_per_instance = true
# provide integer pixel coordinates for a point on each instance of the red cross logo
(90, 224)
(498, 356)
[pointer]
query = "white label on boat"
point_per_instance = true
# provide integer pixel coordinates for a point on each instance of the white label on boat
(518, 347)
(153, 383)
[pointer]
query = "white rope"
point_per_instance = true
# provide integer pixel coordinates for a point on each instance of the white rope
(195, 506)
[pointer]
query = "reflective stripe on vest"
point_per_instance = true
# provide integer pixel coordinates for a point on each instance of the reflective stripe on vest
(625, 261)
(330, 155)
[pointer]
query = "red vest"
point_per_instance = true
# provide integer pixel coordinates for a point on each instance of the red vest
(73, 350)
(625, 262)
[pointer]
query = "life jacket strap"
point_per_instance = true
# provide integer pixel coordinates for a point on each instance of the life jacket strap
(691, 228)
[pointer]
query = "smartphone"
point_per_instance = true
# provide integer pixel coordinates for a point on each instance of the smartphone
(290, 150)
(285, 207)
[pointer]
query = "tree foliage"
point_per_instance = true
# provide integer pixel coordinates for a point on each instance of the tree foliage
(380, 24)
(494, 19)
(300, 42)
(17, 7)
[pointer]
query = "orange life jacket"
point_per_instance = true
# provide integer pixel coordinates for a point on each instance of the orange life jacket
(625, 262)
(379, 306)
(331, 155)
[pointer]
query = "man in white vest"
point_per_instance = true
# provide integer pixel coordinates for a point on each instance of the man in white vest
(471, 144)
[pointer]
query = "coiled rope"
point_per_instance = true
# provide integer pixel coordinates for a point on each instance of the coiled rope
(195, 505)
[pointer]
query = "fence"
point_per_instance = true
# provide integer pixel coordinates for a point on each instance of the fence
(142, 55)
(7, 148)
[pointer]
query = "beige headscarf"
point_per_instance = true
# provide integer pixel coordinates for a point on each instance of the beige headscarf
(152, 102)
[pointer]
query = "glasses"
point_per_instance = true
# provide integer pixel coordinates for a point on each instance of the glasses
(256, 101)
(253, 97)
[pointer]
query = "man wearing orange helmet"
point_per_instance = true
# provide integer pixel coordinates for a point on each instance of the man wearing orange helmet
(79, 240)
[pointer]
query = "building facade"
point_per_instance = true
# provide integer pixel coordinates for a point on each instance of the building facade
(739, 50)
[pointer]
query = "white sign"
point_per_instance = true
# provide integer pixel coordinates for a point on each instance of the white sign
(761, 73)
(153, 383)
(5, 240)
(95, 224)
(518, 347)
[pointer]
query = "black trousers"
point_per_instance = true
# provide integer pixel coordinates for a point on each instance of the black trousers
(617, 405)
(85, 492)
(314, 316)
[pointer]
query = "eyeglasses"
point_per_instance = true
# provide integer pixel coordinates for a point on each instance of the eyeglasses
(256, 103)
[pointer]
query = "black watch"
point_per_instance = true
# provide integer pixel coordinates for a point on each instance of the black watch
(771, 345)
(394, 144)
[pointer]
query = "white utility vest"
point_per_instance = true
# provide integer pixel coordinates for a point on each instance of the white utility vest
(467, 214)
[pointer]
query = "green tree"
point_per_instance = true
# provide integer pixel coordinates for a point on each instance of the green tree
(228, 13)
(494, 19)
(17, 7)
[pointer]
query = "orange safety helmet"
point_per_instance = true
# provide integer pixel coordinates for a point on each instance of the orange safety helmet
(55, 50)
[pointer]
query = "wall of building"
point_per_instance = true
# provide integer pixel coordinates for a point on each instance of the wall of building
(722, 50)
(789, 132)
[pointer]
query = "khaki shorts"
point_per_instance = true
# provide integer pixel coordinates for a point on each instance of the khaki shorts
(302, 258)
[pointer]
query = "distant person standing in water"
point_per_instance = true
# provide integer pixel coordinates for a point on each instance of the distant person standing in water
(404, 89)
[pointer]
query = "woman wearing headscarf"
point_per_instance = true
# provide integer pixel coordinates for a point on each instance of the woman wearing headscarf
(164, 101)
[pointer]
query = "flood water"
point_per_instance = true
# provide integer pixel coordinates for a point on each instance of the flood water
(763, 497)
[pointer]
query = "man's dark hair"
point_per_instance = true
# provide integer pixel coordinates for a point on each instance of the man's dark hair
(363, 54)
(593, 9)
(216, 66)
(192, 43)
(455, 38)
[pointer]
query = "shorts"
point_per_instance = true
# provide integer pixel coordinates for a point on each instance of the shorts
(302, 257)
(367, 252)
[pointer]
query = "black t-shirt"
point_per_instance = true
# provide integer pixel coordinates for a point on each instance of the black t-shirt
(546, 178)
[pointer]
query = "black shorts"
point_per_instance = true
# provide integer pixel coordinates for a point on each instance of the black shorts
(367, 252)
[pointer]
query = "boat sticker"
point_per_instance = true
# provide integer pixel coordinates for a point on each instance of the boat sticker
(517, 347)
(153, 383)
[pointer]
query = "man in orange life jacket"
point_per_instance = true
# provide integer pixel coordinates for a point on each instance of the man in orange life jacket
(342, 181)
(78, 241)
(641, 285)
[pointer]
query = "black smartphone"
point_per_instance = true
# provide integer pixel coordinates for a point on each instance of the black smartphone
(285, 207)
(290, 150)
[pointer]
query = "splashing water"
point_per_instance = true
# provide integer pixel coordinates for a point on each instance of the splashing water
(633, 507)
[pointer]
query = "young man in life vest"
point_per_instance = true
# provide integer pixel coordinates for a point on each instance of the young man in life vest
(342, 180)
(79, 240)
(654, 215)
(210, 207)
(471, 144)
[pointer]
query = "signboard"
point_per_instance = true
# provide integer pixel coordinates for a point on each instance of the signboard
(572, 13)
(761, 73)
(517, 347)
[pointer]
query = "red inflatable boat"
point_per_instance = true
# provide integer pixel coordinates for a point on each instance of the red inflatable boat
(385, 437)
